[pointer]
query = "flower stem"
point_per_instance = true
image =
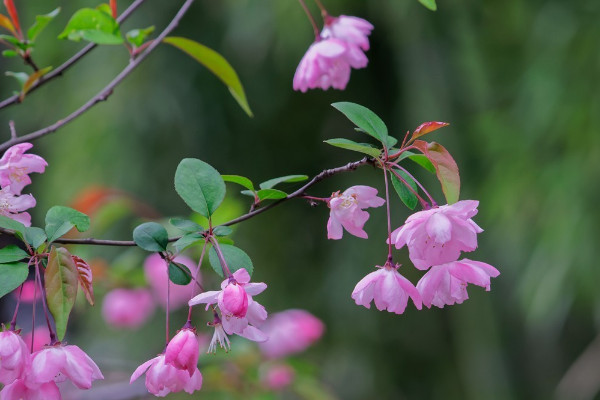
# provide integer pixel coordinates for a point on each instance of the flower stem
(226, 271)
(311, 19)
(324, 12)
(195, 278)
(389, 217)
(168, 304)
(433, 203)
(424, 204)
(13, 323)
(39, 281)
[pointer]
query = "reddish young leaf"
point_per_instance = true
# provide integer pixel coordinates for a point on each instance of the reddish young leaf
(427, 127)
(6, 24)
(33, 78)
(113, 7)
(12, 11)
(445, 168)
(61, 287)
(84, 275)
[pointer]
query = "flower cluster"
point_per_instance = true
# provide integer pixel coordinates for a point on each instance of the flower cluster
(34, 376)
(15, 167)
(339, 48)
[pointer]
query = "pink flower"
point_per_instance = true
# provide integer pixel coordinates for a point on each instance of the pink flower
(352, 30)
(183, 351)
(23, 389)
(278, 376)
(163, 378)
(155, 269)
(245, 326)
(127, 308)
(40, 339)
(290, 331)
(14, 357)
(234, 299)
(438, 235)
(388, 288)
(11, 205)
(15, 167)
(347, 211)
(447, 283)
(58, 363)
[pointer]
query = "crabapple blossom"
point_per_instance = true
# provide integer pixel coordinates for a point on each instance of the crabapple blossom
(24, 389)
(438, 235)
(155, 270)
(127, 308)
(12, 205)
(14, 357)
(324, 65)
(163, 378)
(234, 299)
(447, 283)
(183, 351)
(347, 211)
(352, 30)
(15, 167)
(388, 289)
(290, 331)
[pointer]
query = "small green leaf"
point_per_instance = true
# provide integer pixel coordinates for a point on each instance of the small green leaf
(408, 197)
(222, 231)
(41, 21)
(61, 282)
(266, 194)
(12, 253)
(216, 64)
(14, 41)
(21, 77)
(179, 274)
(94, 26)
(12, 276)
(445, 167)
(9, 223)
(429, 4)
(423, 161)
(187, 240)
(186, 225)
(33, 78)
(9, 53)
(137, 37)
(240, 180)
(151, 236)
(367, 121)
(60, 220)
(199, 185)
(235, 258)
(283, 179)
(364, 148)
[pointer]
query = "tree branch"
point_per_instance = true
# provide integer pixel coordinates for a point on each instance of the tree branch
(69, 63)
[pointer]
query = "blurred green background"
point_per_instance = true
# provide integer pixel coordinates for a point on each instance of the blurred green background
(519, 81)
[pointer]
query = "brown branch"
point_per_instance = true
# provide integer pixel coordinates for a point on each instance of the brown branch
(69, 63)
(108, 89)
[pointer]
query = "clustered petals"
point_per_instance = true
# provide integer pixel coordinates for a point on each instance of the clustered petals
(163, 378)
(347, 211)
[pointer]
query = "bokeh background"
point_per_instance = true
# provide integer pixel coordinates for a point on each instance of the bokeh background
(519, 81)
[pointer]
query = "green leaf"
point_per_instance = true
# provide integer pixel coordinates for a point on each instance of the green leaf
(235, 258)
(21, 77)
(60, 220)
(199, 185)
(283, 179)
(151, 236)
(41, 21)
(94, 26)
(367, 121)
(179, 274)
(222, 231)
(186, 225)
(266, 194)
(12, 253)
(364, 148)
(61, 281)
(240, 180)
(445, 167)
(429, 4)
(9, 223)
(35, 236)
(137, 37)
(12, 276)
(423, 161)
(187, 240)
(216, 64)
(407, 197)
(9, 53)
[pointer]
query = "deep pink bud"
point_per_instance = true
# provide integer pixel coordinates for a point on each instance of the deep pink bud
(234, 300)
(14, 357)
(127, 308)
(290, 331)
(183, 351)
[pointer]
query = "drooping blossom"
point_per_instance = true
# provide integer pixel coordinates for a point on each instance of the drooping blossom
(219, 338)
(326, 64)
(246, 326)
(277, 376)
(352, 30)
(14, 357)
(163, 378)
(438, 235)
(290, 332)
(183, 351)
(12, 206)
(234, 299)
(388, 289)
(447, 283)
(59, 362)
(127, 308)
(155, 270)
(347, 211)
(24, 389)
(15, 167)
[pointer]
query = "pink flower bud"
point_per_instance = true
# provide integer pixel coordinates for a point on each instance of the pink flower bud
(290, 331)
(14, 357)
(127, 308)
(234, 300)
(183, 351)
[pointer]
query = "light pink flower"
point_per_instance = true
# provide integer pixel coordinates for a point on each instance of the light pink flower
(255, 315)
(127, 308)
(388, 289)
(40, 339)
(15, 167)
(447, 283)
(183, 351)
(278, 376)
(163, 378)
(438, 235)
(12, 206)
(352, 30)
(347, 211)
(59, 363)
(290, 331)
(326, 64)
(23, 389)
(14, 357)
(155, 270)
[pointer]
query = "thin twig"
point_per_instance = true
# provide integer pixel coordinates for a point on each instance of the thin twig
(69, 63)
(108, 89)
(13, 130)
